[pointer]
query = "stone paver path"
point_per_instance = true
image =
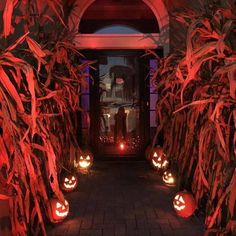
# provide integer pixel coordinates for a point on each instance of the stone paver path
(123, 198)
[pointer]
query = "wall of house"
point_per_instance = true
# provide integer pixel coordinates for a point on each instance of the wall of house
(172, 32)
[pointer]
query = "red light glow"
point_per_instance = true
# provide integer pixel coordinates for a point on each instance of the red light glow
(122, 146)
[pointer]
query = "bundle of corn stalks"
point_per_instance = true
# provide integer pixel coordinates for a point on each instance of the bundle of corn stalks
(40, 79)
(197, 112)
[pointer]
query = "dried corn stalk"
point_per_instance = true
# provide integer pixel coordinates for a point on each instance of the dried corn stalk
(197, 112)
(40, 79)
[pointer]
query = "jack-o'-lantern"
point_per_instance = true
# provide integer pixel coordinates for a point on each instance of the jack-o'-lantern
(59, 210)
(69, 182)
(184, 204)
(85, 161)
(169, 178)
(158, 159)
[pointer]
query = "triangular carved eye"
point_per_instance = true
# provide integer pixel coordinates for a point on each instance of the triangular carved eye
(73, 178)
(177, 197)
(81, 158)
(66, 180)
(181, 199)
(88, 158)
(155, 154)
(58, 205)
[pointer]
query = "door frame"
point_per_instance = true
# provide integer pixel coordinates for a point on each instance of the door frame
(144, 70)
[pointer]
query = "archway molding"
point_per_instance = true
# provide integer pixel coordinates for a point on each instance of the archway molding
(138, 41)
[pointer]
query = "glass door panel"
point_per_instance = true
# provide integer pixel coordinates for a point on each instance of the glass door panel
(119, 105)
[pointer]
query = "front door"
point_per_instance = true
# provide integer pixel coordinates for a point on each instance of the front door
(119, 105)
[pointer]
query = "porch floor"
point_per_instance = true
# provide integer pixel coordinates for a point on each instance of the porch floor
(123, 198)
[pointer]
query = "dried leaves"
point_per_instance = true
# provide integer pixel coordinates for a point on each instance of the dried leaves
(197, 109)
(7, 16)
(39, 87)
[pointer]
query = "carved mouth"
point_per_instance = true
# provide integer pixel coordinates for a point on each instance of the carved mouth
(70, 185)
(156, 164)
(84, 164)
(179, 208)
(61, 214)
(169, 180)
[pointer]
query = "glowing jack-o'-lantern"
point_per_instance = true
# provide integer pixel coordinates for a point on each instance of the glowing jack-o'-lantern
(169, 178)
(85, 161)
(69, 182)
(59, 210)
(184, 204)
(158, 159)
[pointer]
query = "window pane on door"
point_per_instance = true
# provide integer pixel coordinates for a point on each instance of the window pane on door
(119, 101)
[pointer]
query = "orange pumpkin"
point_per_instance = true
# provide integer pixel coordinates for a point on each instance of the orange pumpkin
(69, 182)
(184, 204)
(59, 210)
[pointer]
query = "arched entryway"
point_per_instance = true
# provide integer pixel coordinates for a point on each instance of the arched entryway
(103, 13)
(150, 40)
(120, 99)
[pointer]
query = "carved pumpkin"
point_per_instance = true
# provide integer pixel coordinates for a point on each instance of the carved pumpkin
(59, 210)
(69, 182)
(184, 204)
(169, 178)
(158, 159)
(85, 160)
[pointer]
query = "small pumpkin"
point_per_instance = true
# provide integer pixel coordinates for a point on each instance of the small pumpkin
(85, 161)
(169, 178)
(59, 210)
(184, 204)
(158, 159)
(69, 182)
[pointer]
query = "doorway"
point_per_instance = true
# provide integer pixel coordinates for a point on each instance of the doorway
(119, 101)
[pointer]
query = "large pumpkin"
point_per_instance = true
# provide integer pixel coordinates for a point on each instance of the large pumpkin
(184, 204)
(68, 182)
(59, 210)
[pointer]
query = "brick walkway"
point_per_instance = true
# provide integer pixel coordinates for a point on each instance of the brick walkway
(125, 198)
